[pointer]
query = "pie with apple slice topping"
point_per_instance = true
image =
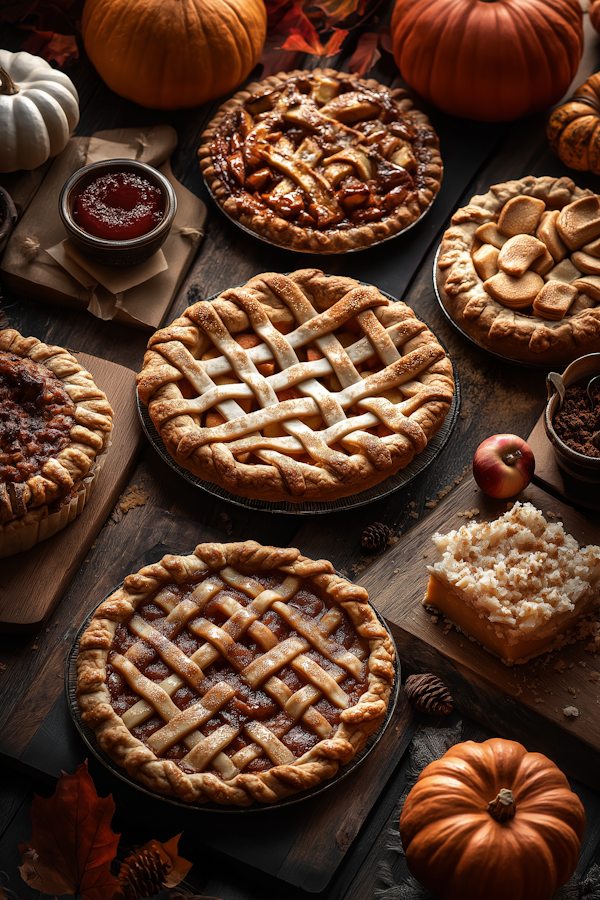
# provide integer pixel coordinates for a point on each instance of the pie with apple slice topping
(321, 161)
(296, 387)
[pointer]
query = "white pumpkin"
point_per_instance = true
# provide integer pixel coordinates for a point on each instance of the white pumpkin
(39, 108)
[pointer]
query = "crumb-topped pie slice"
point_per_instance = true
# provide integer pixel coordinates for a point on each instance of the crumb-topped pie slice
(236, 674)
(300, 387)
(321, 161)
(55, 426)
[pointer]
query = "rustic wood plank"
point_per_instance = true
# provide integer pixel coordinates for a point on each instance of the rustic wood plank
(555, 480)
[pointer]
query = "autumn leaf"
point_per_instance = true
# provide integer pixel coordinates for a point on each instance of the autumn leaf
(59, 48)
(338, 10)
(303, 35)
(385, 39)
(366, 54)
(72, 844)
(57, 16)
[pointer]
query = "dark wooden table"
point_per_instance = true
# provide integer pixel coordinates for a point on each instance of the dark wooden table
(496, 397)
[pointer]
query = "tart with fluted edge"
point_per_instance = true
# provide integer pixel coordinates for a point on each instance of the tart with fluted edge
(519, 270)
(296, 387)
(55, 426)
(321, 161)
(236, 674)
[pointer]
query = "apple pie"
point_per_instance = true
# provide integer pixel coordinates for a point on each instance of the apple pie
(55, 425)
(519, 270)
(235, 674)
(321, 161)
(296, 387)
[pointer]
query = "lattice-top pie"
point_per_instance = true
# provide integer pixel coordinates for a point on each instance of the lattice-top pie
(299, 387)
(519, 270)
(321, 161)
(55, 425)
(236, 674)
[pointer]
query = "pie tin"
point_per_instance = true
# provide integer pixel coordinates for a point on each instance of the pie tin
(503, 357)
(89, 738)
(311, 251)
(390, 484)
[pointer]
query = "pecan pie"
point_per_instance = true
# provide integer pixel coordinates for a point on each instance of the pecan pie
(321, 161)
(519, 270)
(55, 426)
(236, 674)
(299, 387)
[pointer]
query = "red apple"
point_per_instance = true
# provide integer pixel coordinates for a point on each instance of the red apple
(503, 465)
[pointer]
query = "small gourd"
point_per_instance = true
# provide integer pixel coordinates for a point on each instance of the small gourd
(574, 128)
(39, 108)
(491, 821)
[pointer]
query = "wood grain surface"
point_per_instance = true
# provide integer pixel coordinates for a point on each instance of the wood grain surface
(550, 476)
(523, 702)
(32, 583)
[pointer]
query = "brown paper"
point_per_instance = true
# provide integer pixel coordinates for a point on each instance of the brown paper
(29, 269)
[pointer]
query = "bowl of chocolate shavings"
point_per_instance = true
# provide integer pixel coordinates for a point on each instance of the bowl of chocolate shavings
(572, 417)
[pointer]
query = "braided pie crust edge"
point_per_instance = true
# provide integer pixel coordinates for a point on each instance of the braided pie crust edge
(164, 776)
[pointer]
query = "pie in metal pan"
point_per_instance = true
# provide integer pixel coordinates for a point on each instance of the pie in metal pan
(321, 161)
(298, 387)
(55, 427)
(237, 674)
(518, 271)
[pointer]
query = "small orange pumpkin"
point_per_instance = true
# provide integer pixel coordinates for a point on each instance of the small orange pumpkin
(491, 821)
(173, 54)
(494, 60)
(595, 14)
(574, 128)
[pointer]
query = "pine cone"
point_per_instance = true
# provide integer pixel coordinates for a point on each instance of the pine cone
(375, 537)
(429, 694)
(142, 876)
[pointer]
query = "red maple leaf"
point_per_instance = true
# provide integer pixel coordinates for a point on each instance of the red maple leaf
(59, 48)
(338, 10)
(72, 844)
(303, 35)
(366, 54)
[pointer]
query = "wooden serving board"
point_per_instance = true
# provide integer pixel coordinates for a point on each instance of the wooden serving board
(32, 583)
(555, 480)
(523, 702)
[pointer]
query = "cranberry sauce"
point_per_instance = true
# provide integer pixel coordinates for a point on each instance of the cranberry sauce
(118, 207)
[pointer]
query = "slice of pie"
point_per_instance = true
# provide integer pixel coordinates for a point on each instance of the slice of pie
(516, 584)
(55, 426)
(296, 387)
(321, 161)
(518, 270)
(236, 674)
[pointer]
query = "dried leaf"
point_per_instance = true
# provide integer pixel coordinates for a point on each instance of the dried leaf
(179, 867)
(72, 844)
(385, 39)
(338, 10)
(59, 48)
(366, 54)
(274, 59)
(304, 37)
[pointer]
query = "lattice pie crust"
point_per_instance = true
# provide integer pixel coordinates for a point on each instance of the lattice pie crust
(521, 331)
(321, 161)
(299, 387)
(34, 508)
(263, 671)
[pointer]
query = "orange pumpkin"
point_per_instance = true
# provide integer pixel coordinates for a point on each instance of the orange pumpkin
(172, 54)
(491, 821)
(493, 61)
(574, 128)
(595, 14)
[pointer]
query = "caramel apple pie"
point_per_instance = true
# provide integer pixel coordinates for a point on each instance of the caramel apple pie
(235, 674)
(296, 387)
(55, 426)
(321, 161)
(519, 270)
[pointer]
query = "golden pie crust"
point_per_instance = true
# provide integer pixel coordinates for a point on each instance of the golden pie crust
(522, 335)
(244, 672)
(55, 426)
(296, 387)
(321, 161)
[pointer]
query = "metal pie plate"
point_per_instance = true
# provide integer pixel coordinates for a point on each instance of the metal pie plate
(90, 740)
(390, 484)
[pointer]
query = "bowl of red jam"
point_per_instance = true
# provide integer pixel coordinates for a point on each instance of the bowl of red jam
(118, 212)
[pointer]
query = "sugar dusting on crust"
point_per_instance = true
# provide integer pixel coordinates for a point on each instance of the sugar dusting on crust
(519, 570)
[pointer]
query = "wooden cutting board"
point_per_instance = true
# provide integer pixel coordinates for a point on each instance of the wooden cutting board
(555, 480)
(32, 583)
(522, 702)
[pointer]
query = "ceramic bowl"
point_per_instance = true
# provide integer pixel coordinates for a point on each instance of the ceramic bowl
(583, 468)
(8, 217)
(117, 253)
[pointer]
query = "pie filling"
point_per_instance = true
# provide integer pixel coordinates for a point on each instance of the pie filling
(229, 673)
(323, 153)
(36, 417)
